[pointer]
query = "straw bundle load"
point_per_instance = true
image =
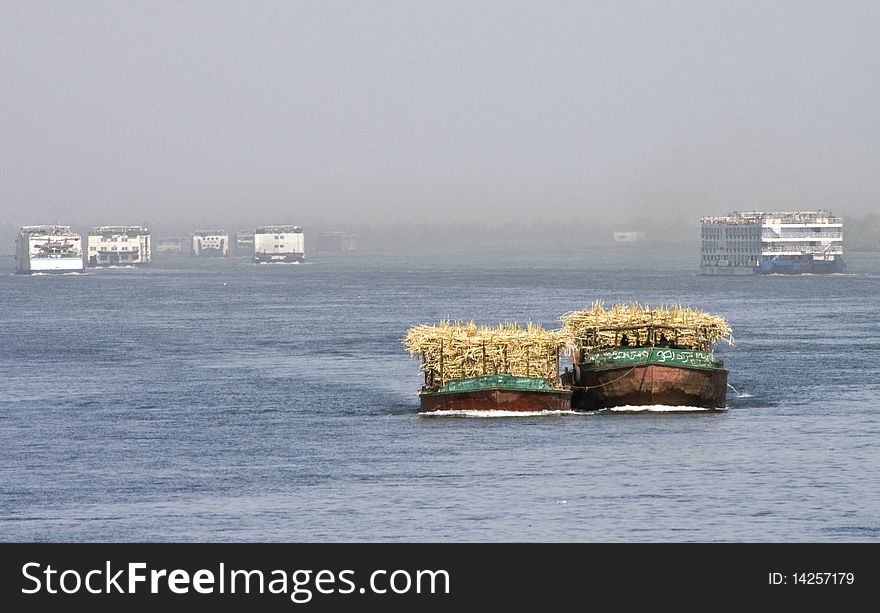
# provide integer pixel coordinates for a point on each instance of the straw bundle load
(456, 350)
(598, 328)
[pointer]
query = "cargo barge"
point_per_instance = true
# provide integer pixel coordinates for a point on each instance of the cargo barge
(637, 356)
(470, 368)
(495, 393)
(648, 376)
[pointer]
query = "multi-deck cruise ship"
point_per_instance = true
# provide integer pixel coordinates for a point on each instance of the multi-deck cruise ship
(210, 243)
(244, 242)
(775, 242)
(119, 246)
(48, 249)
(279, 244)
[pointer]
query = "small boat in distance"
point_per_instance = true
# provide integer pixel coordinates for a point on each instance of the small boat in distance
(632, 355)
(474, 368)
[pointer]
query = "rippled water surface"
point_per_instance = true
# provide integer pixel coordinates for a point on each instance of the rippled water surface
(219, 400)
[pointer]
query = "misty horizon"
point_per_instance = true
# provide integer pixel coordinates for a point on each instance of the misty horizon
(203, 115)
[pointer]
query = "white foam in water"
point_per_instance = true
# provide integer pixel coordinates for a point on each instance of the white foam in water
(499, 413)
(738, 393)
(303, 263)
(661, 408)
(652, 408)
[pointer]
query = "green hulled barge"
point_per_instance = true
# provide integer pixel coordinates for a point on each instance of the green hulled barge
(495, 393)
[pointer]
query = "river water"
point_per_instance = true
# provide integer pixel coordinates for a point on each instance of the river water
(220, 400)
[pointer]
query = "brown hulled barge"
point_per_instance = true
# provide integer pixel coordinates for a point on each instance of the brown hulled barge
(635, 356)
(470, 368)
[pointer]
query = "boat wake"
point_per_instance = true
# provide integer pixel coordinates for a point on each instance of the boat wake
(738, 393)
(496, 413)
(660, 408)
(300, 263)
(810, 274)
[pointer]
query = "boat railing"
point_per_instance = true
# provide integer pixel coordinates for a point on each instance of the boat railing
(801, 234)
(802, 249)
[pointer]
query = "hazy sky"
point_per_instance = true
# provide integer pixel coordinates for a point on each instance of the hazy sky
(376, 111)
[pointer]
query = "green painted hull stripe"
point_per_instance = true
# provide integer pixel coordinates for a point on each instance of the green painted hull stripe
(662, 356)
(490, 382)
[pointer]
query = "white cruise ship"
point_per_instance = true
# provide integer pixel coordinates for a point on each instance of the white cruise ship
(210, 243)
(48, 249)
(119, 246)
(279, 244)
(782, 242)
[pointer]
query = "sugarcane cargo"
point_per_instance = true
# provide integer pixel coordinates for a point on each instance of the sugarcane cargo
(634, 355)
(599, 328)
(470, 367)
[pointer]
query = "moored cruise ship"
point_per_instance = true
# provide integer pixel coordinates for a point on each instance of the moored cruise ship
(173, 245)
(628, 236)
(210, 243)
(48, 249)
(119, 246)
(244, 242)
(786, 242)
(279, 244)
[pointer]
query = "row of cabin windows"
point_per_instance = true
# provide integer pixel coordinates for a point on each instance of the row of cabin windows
(731, 232)
(712, 246)
(736, 260)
